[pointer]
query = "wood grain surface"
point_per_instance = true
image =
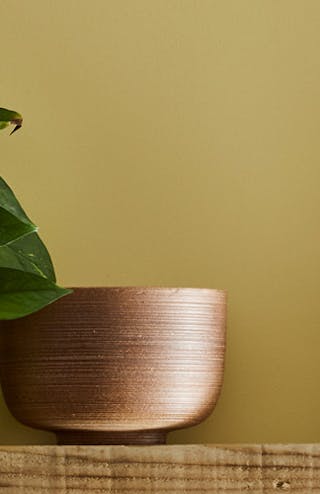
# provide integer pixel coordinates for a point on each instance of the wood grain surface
(173, 469)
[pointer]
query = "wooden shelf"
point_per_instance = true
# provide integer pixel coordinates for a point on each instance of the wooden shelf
(174, 469)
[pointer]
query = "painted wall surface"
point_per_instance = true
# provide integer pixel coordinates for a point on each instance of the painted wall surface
(176, 142)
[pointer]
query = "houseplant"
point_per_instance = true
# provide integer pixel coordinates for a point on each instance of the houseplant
(27, 276)
(113, 365)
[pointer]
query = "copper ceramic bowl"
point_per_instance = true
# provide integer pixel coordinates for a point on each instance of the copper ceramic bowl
(116, 365)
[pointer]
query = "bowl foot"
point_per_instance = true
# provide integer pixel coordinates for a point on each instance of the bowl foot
(78, 437)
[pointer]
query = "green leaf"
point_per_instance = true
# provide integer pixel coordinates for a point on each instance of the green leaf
(9, 202)
(22, 293)
(8, 117)
(18, 232)
(28, 254)
(10, 259)
(27, 278)
(33, 255)
(11, 228)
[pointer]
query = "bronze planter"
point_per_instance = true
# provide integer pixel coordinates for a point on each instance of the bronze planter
(120, 365)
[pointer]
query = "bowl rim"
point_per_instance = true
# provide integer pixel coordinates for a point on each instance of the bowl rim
(149, 288)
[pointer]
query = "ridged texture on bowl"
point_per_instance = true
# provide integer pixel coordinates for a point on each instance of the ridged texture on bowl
(116, 359)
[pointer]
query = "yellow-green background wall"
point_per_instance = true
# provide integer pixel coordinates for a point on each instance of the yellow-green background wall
(177, 143)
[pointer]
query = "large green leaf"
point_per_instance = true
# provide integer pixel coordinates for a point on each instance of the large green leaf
(9, 202)
(34, 255)
(27, 278)
(18, 232)
(11, 228)
(28, 254)
(22, 293)
(10, 259)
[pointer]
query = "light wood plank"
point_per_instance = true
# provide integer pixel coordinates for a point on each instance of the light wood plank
(174, 469)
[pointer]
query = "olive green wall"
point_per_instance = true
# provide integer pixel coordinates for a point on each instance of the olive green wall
(176, 143)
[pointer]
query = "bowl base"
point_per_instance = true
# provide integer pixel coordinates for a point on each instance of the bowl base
(80, 437)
